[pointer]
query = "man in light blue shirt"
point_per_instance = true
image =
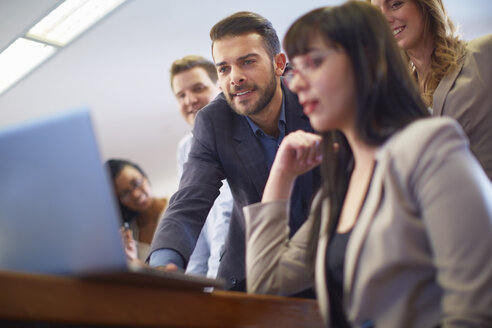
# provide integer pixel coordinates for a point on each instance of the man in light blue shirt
(194, 84)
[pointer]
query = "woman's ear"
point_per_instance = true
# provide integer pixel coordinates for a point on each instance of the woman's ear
(280, 61)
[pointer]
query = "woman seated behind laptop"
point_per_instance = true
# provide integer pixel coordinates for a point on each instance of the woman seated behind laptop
(140, 209)
(401, 231)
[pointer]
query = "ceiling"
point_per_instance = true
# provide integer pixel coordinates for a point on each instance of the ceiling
(119, 69)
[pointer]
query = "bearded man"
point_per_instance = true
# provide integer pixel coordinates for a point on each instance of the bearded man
(235, 137)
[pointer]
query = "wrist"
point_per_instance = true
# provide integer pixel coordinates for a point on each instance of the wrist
(284, 177)
(279, 186)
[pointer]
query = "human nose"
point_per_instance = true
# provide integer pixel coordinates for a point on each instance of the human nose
(190, 99)
(237, 76)
(136, 193)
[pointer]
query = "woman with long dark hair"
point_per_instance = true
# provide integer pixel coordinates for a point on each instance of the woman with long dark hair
(400, 233)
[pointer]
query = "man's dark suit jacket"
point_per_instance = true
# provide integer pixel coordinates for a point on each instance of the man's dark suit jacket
(225, 147)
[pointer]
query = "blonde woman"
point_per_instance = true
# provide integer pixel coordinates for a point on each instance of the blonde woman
(454, 76)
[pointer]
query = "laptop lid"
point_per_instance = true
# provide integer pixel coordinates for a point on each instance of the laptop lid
(58, 212)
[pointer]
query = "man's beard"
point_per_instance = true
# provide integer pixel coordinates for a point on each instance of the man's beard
(266, 96)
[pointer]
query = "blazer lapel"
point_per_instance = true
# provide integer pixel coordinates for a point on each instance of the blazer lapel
(320, 267)
(361, 229)
(442, 90)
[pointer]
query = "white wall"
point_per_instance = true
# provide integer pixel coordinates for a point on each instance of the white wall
(120, 69)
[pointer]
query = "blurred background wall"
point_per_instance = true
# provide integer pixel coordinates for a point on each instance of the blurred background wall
(119, 69)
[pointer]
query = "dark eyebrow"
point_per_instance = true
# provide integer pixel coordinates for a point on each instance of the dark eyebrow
(247, 56)
(240, 58)
(220, 64)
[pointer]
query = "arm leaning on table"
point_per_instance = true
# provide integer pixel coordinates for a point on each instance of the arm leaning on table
(275, 264)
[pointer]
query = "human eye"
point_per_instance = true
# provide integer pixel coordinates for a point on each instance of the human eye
(249, 61)
(395, 4)
(222, 69)
(299, 64)
(137, 182)
(316, 61)
(199, 88)
(313, 61)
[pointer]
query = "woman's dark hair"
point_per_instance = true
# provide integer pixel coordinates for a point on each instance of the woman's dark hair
(115, 167)
(387, 99)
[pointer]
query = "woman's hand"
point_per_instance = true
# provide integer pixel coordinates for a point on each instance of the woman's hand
(298, 153)
(129, 243)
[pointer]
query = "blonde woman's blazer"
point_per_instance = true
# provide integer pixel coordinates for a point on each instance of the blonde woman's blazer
(466, 96)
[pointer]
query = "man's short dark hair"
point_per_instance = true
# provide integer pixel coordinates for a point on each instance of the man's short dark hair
(191, 61)
(245, 22)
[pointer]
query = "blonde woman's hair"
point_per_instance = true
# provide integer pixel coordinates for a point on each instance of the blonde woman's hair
(449, 50)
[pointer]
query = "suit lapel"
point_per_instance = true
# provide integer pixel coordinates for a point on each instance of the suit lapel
(442, 90)
(296, 119)
(250, 153)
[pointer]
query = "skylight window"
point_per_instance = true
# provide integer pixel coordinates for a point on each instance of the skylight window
(70, 19)
(20, 58)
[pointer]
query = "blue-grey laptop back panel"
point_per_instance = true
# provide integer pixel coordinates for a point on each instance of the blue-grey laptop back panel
(57, 209)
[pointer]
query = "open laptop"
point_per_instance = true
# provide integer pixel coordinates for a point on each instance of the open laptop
(58, 211)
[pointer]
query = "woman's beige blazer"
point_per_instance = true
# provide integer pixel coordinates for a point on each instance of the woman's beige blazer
(420, 252)
(466, 96)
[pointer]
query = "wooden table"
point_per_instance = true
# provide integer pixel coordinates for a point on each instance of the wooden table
(30, 298)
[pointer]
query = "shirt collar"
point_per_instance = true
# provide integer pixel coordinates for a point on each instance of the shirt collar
(281, 121)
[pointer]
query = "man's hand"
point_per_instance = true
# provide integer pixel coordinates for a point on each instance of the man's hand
(171, 267)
